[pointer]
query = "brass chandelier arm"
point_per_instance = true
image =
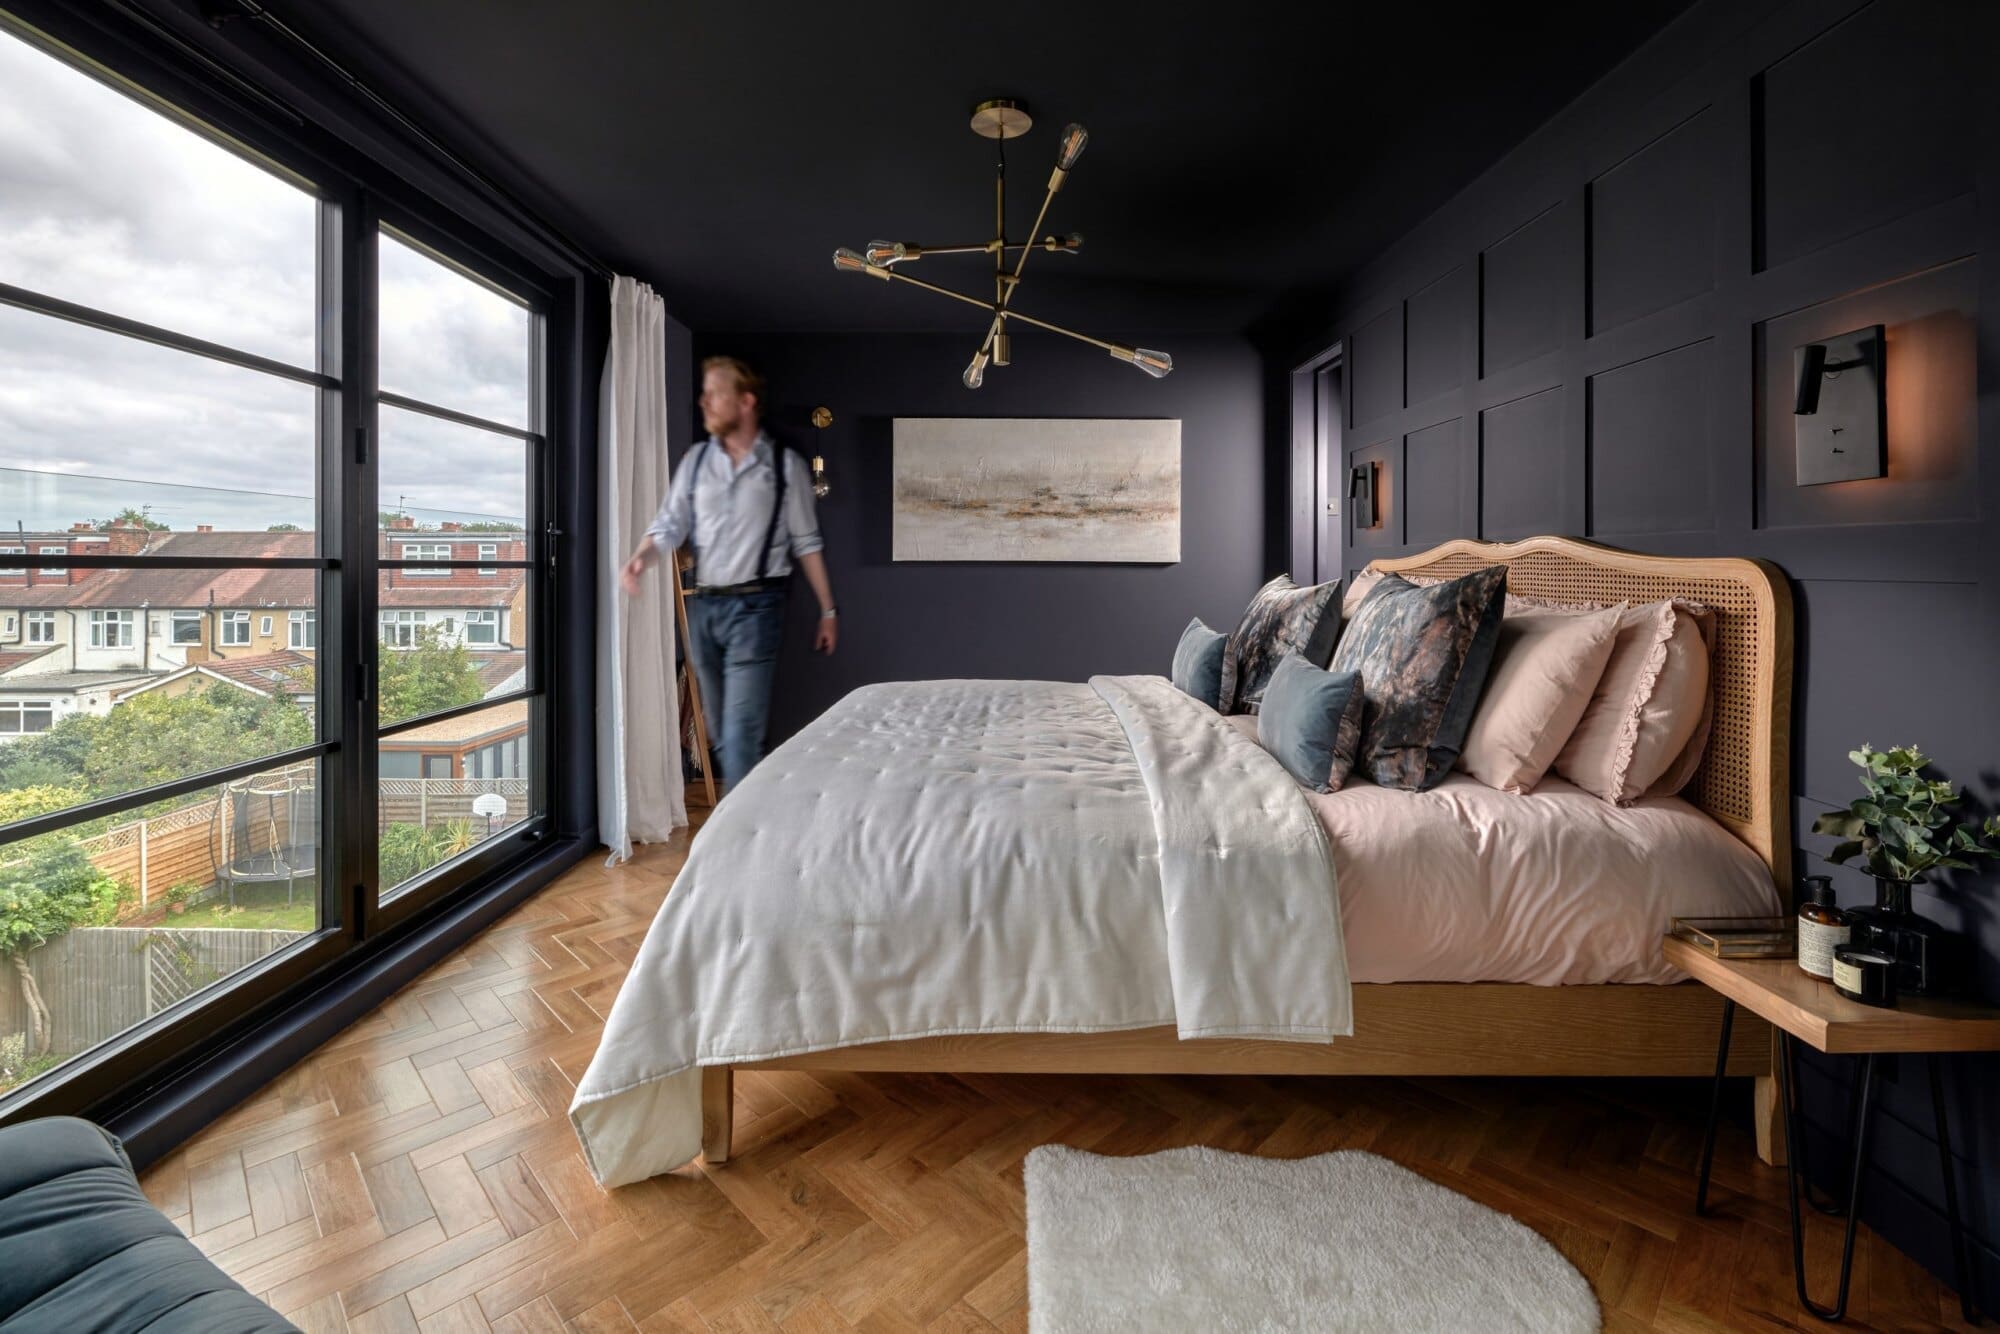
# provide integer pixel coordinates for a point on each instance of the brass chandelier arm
(894, 276)
(1051, 244)
(994, 310)
(1114, 348)
(1006, 292)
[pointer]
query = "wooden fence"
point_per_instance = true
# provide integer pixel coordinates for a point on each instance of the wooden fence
(432, 801)
(99, 981)
(191, 844)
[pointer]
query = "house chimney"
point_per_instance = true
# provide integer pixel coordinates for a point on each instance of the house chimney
(127, 538)
(449, 526)
(82, 527)
(402, 521)
(204, 528)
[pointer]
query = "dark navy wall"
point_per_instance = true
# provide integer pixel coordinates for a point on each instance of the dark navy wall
(1595, 337)
(1051, 621)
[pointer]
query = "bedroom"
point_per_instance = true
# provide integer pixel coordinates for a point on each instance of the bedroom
(351, 349)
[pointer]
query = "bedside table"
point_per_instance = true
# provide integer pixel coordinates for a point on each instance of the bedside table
(1805, 1009)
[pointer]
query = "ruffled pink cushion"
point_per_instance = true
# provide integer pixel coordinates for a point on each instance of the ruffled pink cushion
(1646, 726)
(1545, 670)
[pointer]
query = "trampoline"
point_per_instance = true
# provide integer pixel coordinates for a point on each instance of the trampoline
(270, 833)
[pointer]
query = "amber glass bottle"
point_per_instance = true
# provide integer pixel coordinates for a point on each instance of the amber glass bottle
(1822, 926)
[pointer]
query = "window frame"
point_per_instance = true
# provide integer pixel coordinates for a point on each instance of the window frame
(178, 620)
(38, 619)
(226, 627)
(19, 709)
(360, 184)
(60, 571)
(103, 617)
(309, 622)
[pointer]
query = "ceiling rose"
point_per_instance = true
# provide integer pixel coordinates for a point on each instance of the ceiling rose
(1001, 119)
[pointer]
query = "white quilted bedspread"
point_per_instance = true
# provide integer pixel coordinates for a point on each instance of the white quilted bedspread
(974, 857)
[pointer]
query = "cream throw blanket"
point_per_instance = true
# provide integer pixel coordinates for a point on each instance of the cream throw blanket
(974, 857)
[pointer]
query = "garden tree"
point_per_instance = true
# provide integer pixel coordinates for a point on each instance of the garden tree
(55, 756)
(429, 676)
(155, 738)
(491, 526)
(133, 515)
(284, 528)
(47, 886)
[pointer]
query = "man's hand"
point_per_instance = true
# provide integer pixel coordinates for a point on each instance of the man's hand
(828, 634)
(628, 578)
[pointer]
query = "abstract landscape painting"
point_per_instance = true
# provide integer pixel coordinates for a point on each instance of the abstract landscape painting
(1034, 489)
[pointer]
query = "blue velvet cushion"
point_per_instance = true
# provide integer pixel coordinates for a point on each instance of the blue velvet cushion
(1281, 618)
(82, 1248)
(1198, 662)
(1310, 721)
(1422, 652)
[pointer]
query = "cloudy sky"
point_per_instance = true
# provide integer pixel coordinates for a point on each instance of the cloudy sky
(108, 203)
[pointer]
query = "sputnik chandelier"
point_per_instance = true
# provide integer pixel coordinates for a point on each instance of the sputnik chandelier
(1001, 119)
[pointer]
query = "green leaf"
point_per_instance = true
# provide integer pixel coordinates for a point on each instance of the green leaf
(1845, 852)
(1841, 824)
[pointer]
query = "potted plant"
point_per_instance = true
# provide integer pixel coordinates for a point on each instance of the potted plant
(1902, 830)
(180, 896)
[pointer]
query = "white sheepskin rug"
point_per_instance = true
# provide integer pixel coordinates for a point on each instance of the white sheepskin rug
(1199, 1239)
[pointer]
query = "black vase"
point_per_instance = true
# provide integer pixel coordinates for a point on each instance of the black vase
(1920, 947)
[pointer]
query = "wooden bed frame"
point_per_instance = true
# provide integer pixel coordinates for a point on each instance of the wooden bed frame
(1422, 1028)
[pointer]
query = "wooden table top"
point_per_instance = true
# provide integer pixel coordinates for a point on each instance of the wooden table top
(1812, 1011)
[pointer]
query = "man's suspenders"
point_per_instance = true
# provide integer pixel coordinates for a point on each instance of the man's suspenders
(778, 453)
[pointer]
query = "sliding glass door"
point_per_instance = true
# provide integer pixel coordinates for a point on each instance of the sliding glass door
(273, 463)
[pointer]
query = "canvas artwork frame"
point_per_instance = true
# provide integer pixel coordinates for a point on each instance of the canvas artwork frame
(1098, 490)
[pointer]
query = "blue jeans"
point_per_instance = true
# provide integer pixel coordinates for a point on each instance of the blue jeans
(733, 644)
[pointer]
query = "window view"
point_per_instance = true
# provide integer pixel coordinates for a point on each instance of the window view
(182, 645)
(454, 593)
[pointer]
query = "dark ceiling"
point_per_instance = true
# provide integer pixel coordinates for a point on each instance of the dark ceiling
(1238, 152)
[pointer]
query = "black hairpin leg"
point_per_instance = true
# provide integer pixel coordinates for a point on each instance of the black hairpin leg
(1794, 1137)
(1789, 1088)
(1714, 1109)
(1961, 1265)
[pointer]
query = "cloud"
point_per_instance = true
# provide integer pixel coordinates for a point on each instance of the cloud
(112, 204)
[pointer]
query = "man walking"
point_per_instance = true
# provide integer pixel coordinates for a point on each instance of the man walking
(747, 504)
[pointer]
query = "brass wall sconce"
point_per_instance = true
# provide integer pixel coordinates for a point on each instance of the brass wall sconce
(822, 417)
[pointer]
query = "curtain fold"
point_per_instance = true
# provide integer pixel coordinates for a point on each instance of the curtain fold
(640, 797)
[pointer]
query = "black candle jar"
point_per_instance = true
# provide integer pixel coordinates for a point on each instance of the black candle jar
(1865, 975)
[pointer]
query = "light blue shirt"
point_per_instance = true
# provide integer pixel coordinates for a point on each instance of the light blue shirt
(731, 510)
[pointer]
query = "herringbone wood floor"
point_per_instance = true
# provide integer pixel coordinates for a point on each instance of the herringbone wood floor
(419, 1171)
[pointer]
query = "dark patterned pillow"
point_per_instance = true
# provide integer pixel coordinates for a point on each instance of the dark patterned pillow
(1311, 722)
(1282, 618)
(1198, 662)
(1422, 652)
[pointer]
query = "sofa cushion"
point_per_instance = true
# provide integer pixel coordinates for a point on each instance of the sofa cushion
(86, 1250)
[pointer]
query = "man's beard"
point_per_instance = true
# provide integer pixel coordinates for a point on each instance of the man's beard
(720, 425)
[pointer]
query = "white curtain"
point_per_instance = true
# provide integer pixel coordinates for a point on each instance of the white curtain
(639, 792)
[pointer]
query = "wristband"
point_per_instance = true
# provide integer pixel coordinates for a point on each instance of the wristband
(831, 613)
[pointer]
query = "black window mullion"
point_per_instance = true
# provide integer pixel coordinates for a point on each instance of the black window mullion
(363, 517)
(146, 796)
(36, 303)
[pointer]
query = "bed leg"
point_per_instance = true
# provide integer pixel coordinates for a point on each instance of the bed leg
(1767, 1111)
(718, 1112)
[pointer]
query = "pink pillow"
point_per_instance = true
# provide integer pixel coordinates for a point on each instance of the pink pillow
(1545, 670)
(1647, 723)
(1357, 590)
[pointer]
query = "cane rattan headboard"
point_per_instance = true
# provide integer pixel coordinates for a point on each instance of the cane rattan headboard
(1744, 783)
